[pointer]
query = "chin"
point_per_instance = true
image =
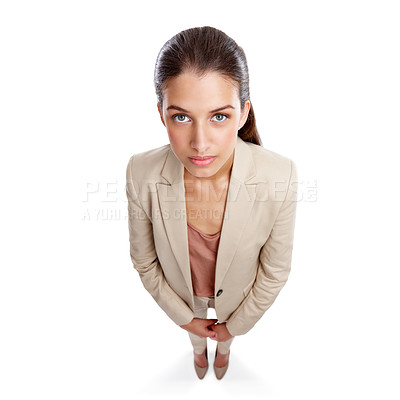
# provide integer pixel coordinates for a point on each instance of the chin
(200, 172)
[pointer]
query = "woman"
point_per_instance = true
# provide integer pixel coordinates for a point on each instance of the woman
(212, 213)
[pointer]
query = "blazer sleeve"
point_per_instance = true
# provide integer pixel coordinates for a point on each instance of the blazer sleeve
(274, 265)
(144, 257)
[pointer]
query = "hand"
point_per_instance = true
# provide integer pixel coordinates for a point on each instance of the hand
(222, 332)
(201, 327)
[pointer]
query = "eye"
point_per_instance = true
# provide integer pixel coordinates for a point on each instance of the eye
(177, 117)
(221, 119)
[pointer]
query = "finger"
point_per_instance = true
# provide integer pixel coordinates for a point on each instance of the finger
(211, 334)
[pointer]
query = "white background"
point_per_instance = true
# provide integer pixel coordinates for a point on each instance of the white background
(77, 100)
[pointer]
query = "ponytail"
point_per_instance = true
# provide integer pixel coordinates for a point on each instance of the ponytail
(248, 132)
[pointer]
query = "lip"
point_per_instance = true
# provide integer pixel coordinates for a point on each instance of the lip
(202, 161)
(201, 157)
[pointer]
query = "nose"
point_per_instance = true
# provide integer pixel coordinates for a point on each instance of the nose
(199, 140)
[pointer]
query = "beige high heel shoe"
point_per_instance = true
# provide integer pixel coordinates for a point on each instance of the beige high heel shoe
(220, 371)
(201, 371)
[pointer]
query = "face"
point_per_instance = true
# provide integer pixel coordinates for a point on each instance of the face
(202, 117)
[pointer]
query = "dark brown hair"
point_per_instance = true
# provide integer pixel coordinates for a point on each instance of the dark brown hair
(204, 49)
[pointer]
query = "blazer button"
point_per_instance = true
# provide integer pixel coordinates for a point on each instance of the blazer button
(219, 292)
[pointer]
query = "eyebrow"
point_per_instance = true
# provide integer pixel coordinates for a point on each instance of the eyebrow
(212, 111)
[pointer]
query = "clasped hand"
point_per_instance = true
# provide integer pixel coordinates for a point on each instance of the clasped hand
(208, 328)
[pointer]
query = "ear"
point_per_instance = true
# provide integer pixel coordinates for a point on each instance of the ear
(160, 112)
(244, 114)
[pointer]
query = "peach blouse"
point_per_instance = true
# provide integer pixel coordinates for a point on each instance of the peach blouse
(203, 250)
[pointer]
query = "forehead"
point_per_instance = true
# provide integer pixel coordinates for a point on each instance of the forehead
(193, 92)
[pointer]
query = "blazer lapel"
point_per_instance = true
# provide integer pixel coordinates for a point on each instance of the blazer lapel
(240, 200)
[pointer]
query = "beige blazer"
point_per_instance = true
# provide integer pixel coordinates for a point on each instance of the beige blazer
(256, 241)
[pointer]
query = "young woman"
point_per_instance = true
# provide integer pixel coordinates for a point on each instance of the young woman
(212, 213)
